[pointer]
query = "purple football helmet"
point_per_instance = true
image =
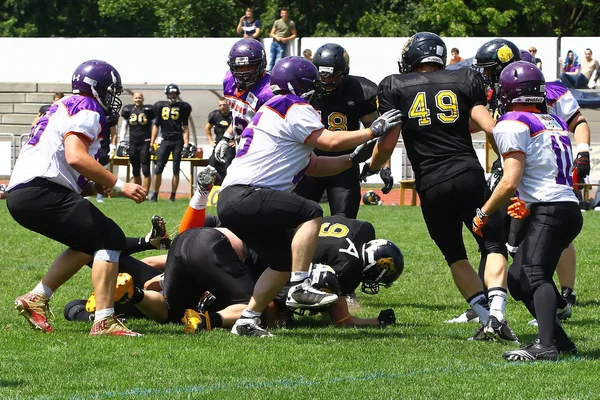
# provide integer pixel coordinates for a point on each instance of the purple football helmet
(101, 80)
(247, 52)
(521, 82)
(294, 75)
(526, 56)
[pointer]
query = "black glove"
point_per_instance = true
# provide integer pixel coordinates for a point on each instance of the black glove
(386, 318)
(384, 123)
(363, 152)
(388, 180)
(185, 152)
(366, 172)
(582, 163)
(152, 151)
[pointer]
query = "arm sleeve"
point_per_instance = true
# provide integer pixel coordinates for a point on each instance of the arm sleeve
(511, 136)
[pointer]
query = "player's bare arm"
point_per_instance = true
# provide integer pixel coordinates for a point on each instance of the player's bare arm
(514, 165)
(482, 118)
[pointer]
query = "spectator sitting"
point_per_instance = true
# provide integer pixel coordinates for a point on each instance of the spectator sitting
(307, 53)
(455, 57)
(533, 52)
(282, 32)
(571, 75)
(590, 68)
(45, 107)
(250, 26)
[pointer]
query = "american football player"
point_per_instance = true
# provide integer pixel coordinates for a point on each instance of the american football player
(219, 121)
(138, 118)
(256, 202)
(344, 102)
(172, 117)
(56, 166)
(537, 160)
(437, 105)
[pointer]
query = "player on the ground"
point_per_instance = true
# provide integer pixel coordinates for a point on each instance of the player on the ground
(172, 117)
(537, 161)
(437, 106)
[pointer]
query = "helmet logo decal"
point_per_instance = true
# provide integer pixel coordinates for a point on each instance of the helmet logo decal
(89, 81)
(76, 77)
(407, 44)
(346, 57)
(387, 264)
(242, 61)
(113, 76)
(439, 50)
(327, 70)
(505, 54)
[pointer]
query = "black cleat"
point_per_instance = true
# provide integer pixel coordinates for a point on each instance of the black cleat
(467, 316)
(304, 295)
(249, 327)
(172, 198)
(159, 235)
(500, 331)
(532, 352)
(480, 335)
(154, 197)
(569, 295)
(568, 348)
(205, 179)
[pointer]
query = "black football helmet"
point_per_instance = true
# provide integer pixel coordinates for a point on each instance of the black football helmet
(494, 56)
(172, 88)
(372, 198)
(421, 48)
(384, 263)
(331, 60)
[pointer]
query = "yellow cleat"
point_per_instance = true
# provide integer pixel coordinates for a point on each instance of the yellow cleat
(194, 321)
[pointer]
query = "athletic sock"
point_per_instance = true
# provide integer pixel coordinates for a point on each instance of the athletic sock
(192, 218)
(100, 314)
(479, 304)
(43, 289)
(497, 296)
(298, 277)
(250, 314)
(216, 321)
(544, 301)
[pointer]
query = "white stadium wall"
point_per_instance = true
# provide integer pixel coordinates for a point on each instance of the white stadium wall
(202, 61)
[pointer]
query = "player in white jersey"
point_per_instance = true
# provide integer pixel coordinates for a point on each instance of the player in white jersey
(256, 202)
(537, 162)
(57, 165)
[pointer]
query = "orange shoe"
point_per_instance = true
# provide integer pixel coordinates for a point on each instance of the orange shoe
(123, 292)
(34, 307)
(111, 326)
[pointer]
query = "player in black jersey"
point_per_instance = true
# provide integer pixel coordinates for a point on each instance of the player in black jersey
(138, 117)
(219, 121)
(45, 107)
(437, 105)
(172, 117)
(344, 101)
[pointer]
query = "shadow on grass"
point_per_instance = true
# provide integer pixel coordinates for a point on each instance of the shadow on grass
(11, 383)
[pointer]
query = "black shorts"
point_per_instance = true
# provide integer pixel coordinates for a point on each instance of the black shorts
(549, 229)
(448, 205)
(59, 213)
(139, 156)
(343, 191)
(265, 220)
(202, 259)
(168, 146)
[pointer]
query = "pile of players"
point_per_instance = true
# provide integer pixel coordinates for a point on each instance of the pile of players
(299, 135)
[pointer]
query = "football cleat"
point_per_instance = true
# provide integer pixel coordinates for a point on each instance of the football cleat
(34, 307)
(154, 197)
(532, 352)
(249, 327)
(205, 180)
(479, 335)
(123, 292)
(562, 314)
(112, 326)
(467, 316)
(569, 295)
(500, 331)
(158, 236)
(172, 198)
(195, 321)
(304, 295)
(568, 348)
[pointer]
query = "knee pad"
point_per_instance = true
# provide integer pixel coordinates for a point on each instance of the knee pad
(107, 255)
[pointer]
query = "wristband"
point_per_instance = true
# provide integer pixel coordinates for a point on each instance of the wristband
(583, 147)
(118, 186)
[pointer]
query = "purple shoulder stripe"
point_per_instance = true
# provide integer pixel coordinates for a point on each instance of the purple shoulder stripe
(554, 91)
(282, 103)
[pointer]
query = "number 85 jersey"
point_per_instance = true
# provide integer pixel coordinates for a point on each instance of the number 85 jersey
(544, 139)
(435, 128)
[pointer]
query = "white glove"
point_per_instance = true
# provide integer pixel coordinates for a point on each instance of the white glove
(111, 152)
(221, 148)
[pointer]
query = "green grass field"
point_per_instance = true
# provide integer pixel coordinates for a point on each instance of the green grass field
(419, 358)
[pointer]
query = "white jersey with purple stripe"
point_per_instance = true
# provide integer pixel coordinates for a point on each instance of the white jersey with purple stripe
(245, 104)
(544, 139)
(44, 153)
(560, 101)
(273, 152)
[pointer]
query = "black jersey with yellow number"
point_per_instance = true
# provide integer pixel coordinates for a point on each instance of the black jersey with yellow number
(436, 108)
(340, 245)
(342, 110)
(220, 123)
(172, 117)
(139, 120)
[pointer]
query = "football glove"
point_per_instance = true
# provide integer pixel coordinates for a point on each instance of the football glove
(582, 164)
(152, 150)
(386, 318)
(366, 172)
(518, 209)
(363, 152)
(479, 221)
(385, 122)
(388, 180)
(221, 148)
(111, 151)
(185, 152)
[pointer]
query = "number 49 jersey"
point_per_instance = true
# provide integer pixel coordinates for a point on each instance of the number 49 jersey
(544, 139)
(435, 127)
(341, 241)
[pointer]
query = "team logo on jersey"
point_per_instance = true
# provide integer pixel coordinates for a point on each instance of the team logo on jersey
(505, 54)
(252, 100)
(351, 103)
(387, 263)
